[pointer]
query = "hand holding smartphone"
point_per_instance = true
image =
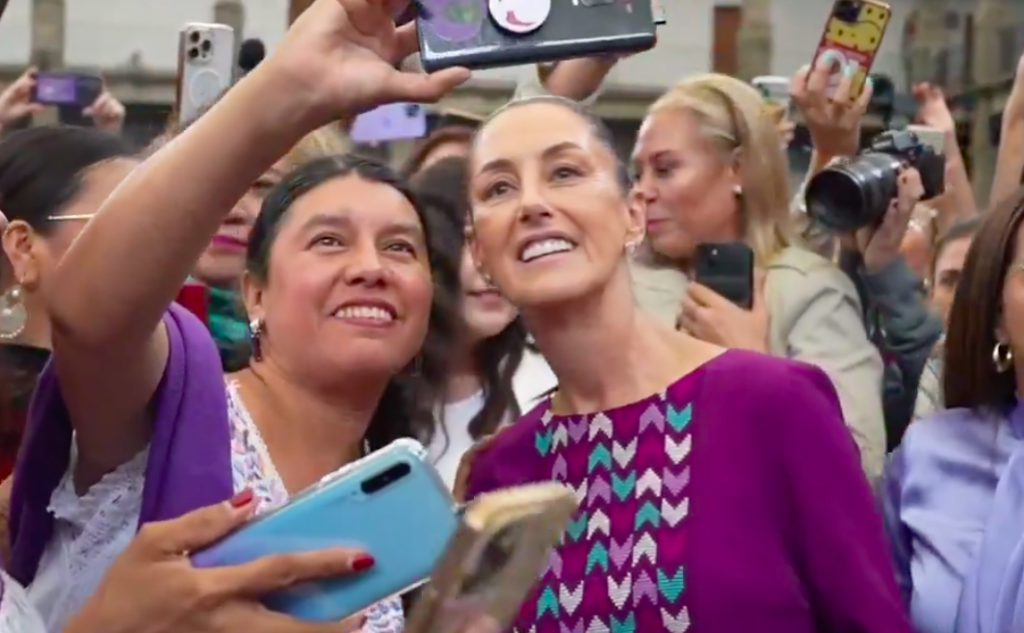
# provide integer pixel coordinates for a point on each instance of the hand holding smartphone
(499, 552)
(66, 89)
(393, 504)
(852, 38)
(728, 269)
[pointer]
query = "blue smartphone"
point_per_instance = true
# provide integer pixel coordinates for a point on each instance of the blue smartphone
(392, 503)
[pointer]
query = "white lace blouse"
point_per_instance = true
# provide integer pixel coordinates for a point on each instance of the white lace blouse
(91, 530)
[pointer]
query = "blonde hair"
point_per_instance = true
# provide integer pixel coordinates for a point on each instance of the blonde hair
(734, 116)
(329, 140)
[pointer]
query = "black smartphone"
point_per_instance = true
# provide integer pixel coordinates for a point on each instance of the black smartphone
(493, 33)
(728, 269)
(66, 89)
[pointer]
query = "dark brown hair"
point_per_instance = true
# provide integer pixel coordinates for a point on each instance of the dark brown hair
(455, 134)
(443, 191)
(970, 378)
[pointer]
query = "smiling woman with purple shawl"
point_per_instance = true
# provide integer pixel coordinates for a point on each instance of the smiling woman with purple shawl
(133, 421)
(954, 490)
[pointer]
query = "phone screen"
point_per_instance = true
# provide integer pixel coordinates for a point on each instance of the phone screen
(56, 89)
(393, 122)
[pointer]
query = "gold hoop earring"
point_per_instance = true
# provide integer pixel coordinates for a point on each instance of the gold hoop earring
(13, 315)
(1002, 357)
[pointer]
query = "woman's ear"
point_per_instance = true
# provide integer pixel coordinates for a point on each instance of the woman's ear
(21, 246)
(636, 217)
(252, 295)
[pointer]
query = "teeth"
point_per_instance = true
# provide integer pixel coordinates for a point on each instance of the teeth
(364, 312)
(545, 247)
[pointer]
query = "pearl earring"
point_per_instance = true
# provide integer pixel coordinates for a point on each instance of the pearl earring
(737, 190)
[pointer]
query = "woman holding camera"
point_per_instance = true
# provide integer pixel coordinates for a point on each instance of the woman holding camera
(709, 168)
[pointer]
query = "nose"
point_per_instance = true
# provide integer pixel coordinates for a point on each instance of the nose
(363, 267)
(534, 206)
(644, 187)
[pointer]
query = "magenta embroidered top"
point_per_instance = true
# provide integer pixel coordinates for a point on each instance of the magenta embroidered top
(732, 502)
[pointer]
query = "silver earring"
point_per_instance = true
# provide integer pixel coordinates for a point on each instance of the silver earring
(255, 344)
(1002, 357)
(13, 314)
(737, 190)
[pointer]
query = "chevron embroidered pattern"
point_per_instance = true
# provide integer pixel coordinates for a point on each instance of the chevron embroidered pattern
(620, 567)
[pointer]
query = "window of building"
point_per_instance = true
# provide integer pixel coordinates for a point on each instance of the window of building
(725, 45)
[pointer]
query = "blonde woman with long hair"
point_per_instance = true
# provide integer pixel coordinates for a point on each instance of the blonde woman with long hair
(709, 167)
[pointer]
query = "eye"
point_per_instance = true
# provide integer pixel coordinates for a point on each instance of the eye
(401, 246)
(326, 241)
(564, 172)
(262, 186)
(498, 188)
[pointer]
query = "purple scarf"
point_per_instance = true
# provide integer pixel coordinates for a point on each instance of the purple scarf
(189, 458)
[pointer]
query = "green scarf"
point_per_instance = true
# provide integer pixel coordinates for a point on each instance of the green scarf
(227, 323)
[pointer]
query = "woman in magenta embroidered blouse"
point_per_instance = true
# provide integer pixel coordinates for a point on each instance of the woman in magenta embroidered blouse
(719, 489)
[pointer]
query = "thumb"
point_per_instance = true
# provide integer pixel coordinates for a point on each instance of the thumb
(422, 88)
(198, 528)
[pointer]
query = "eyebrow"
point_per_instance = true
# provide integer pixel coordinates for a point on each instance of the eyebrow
(501, 164)
(343, 222)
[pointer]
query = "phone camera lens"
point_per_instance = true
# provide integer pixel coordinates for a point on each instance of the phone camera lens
(207, 45)
(193, 36)
(193, 53)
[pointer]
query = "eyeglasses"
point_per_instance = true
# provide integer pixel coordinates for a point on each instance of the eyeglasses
(72, 216)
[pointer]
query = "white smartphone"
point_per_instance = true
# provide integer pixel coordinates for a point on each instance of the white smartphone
(775, 90)
(206, 64)
(930, 136)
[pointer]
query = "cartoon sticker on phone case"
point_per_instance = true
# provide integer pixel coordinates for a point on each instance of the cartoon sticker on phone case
(456, 20)
(853, 43)
(520, 16)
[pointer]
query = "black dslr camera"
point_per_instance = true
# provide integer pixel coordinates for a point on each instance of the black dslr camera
(856, 193)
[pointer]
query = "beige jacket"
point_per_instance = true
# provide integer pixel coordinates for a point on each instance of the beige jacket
(816, 317)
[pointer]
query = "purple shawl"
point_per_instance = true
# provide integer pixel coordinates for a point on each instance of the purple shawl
(189, 460)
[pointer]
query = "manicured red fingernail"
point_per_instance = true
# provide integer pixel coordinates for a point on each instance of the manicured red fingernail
(242, 499)
(363, 562)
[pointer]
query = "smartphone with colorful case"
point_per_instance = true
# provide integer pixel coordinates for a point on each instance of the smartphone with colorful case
(392, 503)
(853, 35)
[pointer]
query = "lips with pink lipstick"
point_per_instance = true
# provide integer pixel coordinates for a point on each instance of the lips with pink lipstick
(228, 242)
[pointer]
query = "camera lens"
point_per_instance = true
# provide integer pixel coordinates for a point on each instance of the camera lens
(207, 45)
(193, 36)
(193, 53)
(844, 198)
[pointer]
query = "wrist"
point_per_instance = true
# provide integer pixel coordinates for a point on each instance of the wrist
(281, 104)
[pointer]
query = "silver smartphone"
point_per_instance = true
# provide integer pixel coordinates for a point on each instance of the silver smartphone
(206, 66)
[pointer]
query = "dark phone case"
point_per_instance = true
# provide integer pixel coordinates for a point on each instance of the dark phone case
(463, 33)
(88, 88)
(728, 269)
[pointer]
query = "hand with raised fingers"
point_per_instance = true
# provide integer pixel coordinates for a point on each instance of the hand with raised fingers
(341, 57)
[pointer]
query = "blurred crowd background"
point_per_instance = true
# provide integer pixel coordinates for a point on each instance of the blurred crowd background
(969, 48)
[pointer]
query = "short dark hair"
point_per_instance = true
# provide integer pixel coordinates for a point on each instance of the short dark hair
(443, 188)
(970, 378)
(406, 408)
(41, 169)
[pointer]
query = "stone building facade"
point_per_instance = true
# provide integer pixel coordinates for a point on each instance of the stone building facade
(969, 46)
